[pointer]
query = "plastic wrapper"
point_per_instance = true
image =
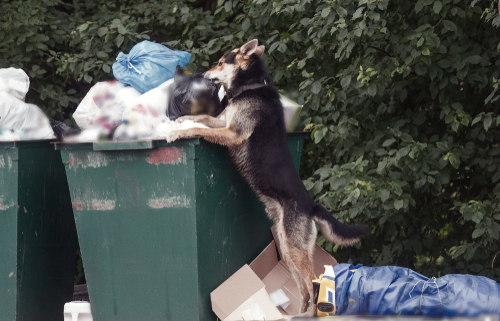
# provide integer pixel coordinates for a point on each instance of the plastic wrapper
(63, 130)
(148, 65)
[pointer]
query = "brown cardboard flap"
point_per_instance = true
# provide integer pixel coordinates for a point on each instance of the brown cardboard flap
(257, 307)
(320, 259)
(277, 278)
(292, 292)
(235, 291)
(320, 256)
(266, 261)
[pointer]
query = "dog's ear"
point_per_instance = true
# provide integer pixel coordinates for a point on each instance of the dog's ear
(260, 50)
(249, 48)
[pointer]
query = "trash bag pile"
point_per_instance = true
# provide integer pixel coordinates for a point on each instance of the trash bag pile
(152, 89)
(392, 290)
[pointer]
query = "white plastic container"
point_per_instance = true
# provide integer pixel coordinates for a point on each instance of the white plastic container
(77, 311)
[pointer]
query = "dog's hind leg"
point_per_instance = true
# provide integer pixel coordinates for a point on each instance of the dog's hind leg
(299, 237)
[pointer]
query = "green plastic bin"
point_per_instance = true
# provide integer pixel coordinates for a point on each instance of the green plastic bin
(161, 225)
(37, 233)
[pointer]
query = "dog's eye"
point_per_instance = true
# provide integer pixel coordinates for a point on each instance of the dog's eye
(220, 63)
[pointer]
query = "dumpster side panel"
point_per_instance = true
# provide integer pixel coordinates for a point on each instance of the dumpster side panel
(47, 238)
(232, 225)
(135, 216)
(8, 233)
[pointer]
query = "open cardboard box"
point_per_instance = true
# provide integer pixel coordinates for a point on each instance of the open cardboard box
(246, 294)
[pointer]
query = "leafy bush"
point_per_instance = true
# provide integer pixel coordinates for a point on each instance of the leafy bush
(401, 97)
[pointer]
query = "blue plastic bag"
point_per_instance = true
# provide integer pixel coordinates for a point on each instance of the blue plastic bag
(148, 65)
(392, 290)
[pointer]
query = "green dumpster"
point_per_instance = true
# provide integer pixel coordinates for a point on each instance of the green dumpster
(37, 233)
(161, 225)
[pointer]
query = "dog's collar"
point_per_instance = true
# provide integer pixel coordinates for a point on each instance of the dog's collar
(233, 93)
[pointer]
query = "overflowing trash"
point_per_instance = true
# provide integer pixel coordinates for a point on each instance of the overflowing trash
(148, 65)
(152, 89)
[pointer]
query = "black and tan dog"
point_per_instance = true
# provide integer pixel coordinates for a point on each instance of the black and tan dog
(255, 133)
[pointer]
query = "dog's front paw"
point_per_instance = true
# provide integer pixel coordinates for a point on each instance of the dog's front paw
(183, 118)
(173, 136)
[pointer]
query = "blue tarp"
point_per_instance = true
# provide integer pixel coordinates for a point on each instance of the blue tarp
(391, 290)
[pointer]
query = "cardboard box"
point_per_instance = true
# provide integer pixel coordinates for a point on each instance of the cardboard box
(246, 294)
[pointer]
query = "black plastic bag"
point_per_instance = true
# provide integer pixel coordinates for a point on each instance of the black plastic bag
(62, 130)
(191, 94)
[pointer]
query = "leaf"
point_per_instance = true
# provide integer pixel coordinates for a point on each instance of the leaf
(384, 195)
(389, 142)
(495, 177)
(473, 59)
(454, 160)
(122, 30)
(477, 217)
(449, 25)
(372, 90)
(274, 46)
(419, 5)
(437, 6)
(426, 51)
(87, 78)
(406, 138)
(420, 69)
(487, 121)
(325, 12)
(119, 40)
(344, 82)
(316, 87)
(398, 204)
(83, 27)
(246, 24)
(189, 43)
(101, 54)
(444, 63)
(356, 193)
(432, 40)
(305, 21)
(477, 119)
(106, 68)
(358, 13)
(478, 232)
(102, 31)
(228, 6)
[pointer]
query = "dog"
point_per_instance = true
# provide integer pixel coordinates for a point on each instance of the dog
(254, 131)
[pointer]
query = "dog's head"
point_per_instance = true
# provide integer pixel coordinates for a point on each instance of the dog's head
(235, 63)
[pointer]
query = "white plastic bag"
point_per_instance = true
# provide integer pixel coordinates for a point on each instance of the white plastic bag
(144, 114)
(104, 104)
(26, 120)
(14, 82)
(291, 110)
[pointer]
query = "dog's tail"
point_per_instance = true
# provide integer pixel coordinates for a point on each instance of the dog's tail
(336, 232)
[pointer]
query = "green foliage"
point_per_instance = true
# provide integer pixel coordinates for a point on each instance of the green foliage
(401, 97)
